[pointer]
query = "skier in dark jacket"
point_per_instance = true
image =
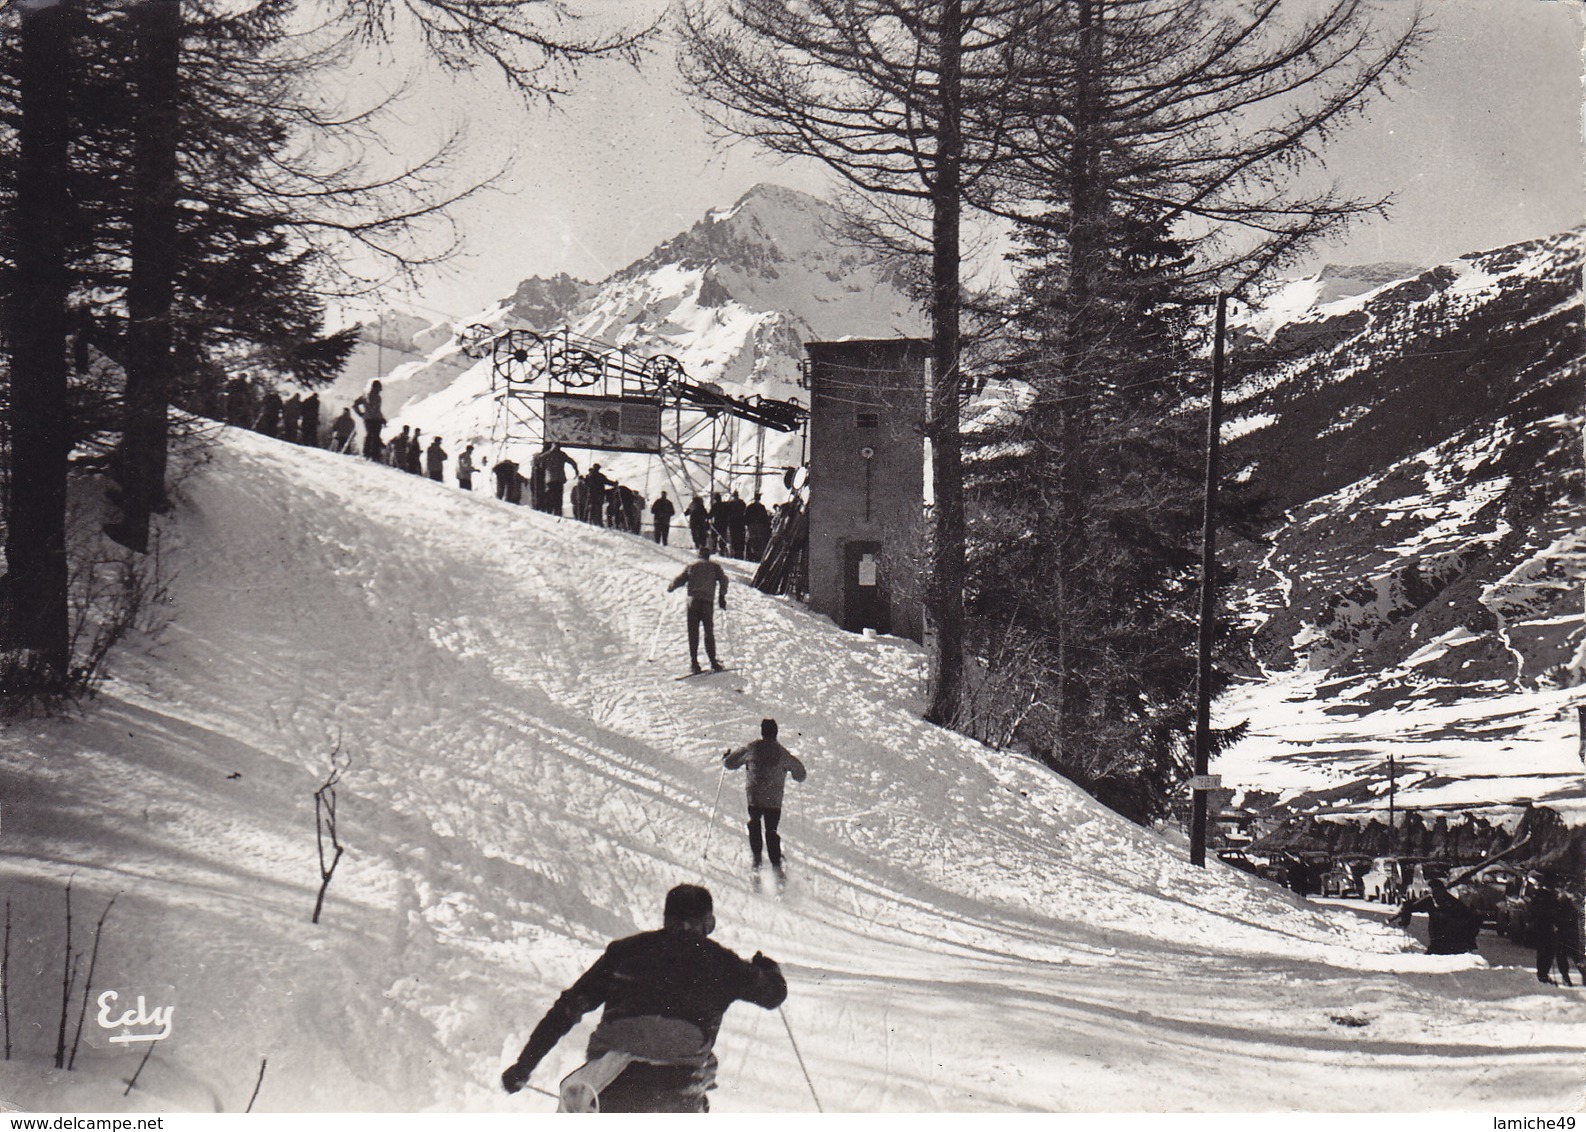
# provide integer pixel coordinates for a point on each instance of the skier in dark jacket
(435, 460)
(1451, 928)
(769, 764)
(661, 512)
(466, 469)
(664, 994)
(698, 522)
(702, 578)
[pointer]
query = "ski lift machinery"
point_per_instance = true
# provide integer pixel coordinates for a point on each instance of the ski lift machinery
(585, 393)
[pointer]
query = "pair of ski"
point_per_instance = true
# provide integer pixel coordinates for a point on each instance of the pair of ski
(776, 887)
(703, 672)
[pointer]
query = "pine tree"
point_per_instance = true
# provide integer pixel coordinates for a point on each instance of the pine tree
(1144, 154)
(33, 609)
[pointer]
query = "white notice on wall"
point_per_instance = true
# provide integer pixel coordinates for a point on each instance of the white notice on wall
(867, 569)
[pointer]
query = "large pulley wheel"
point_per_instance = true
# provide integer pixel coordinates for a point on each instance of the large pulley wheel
(576, 368)
(517, 356)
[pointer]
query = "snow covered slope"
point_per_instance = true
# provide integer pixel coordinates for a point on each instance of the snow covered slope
(963, 930)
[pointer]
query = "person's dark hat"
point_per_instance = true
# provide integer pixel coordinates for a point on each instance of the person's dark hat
(688, 902)
(768, 728)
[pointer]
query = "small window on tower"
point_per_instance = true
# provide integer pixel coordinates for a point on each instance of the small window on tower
(867, 420)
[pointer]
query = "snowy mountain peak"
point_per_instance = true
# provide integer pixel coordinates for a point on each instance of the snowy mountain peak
(767, 226)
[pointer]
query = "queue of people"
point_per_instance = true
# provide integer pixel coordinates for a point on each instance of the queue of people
(729, 526)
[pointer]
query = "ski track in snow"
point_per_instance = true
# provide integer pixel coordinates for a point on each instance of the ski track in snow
(962, 929)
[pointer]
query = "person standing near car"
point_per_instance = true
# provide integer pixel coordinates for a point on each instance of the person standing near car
(1555, 929)
(1451, 928)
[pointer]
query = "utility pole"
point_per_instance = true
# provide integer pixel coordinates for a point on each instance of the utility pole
(1393, 783)
(1208, 604)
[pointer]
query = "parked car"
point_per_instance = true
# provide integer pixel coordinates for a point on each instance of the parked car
(1385, 879)
(1513, 914)
(1418, 875)
(1487, 891)
(1238, 859)
(1343, 879)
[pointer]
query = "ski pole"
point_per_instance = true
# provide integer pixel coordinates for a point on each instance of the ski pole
(655, 634)
(800, 1056)
(714, 808)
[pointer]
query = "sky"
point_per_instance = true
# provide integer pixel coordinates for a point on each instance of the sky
(1482, 148)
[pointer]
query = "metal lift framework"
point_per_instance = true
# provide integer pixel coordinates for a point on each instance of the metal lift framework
(700, 422)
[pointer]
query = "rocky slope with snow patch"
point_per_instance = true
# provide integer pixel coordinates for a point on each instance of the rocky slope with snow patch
(1425, 446)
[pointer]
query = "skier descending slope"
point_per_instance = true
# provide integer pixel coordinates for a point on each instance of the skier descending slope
(702, 577)
(769, 763)
(665, 993)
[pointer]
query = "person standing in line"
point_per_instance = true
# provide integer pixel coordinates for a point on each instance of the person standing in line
(398, 450)
(580, 495)
(702, 577)
(537, 480)
(435, 460)
(308, 422)
(661, 512)
(239, 403)
(269, 419)
(737, 512)
(632, 510)
(291, 417)
(664, 994)
(769, 763)
(466, 469)
(718, 523)
(506, 473)
(698, 522)
(367, 406)
(556, 462)
(595, 485)
(614, 509)
(757, 528)
(341, 430)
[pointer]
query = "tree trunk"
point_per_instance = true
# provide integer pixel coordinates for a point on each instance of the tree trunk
(140, 462)
(1074, 379)
(945, 596)
(34, 600)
